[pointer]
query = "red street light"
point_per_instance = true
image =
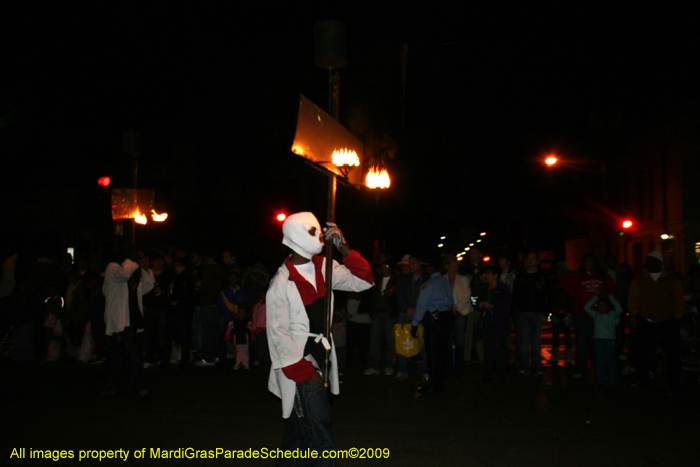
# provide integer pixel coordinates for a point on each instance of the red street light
(281, 217)
(626, 224)
(104, 181)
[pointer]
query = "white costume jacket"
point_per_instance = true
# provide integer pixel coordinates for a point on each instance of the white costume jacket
(116, 292)
(288, 323)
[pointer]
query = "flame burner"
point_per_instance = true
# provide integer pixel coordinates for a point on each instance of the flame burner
(378, 178)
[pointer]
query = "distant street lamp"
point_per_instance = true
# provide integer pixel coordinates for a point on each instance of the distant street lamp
(550, 161)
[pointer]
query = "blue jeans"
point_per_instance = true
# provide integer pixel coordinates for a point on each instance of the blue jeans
(529, 339)
(606, 356)
(382, 325)
(309, 426)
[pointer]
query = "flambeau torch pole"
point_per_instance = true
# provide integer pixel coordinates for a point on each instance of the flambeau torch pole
(330, 217)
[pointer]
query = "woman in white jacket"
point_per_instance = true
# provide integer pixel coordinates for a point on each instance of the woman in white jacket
(462, 293)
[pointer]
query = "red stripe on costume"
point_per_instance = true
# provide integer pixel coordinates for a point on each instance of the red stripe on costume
(320, 281)
(300, 371)
(306, 290)
(358, 266)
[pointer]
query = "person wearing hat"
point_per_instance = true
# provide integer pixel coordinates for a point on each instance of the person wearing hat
(404, 265)
(407, 290)
(656, 300)
(296, 308)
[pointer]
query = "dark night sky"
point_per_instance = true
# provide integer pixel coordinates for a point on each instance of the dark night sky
(213, 91)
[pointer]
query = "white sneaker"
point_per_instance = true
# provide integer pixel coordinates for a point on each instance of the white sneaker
(203, 362)
(388, 371)
(371, 371)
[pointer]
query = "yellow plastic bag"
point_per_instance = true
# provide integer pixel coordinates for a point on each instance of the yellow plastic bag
(406, 344)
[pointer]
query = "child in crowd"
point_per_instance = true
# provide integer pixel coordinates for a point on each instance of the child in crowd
(605, 319)
(233, 303)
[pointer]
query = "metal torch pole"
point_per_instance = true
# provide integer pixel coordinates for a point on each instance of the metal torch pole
(330, 217)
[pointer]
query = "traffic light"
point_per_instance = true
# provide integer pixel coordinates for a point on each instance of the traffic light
(627, 224)
(104, 182)
(281, 217)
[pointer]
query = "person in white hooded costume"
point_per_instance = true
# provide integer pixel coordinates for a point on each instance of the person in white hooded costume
(295, 310)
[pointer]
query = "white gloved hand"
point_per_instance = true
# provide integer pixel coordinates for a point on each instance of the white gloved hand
(333, 233)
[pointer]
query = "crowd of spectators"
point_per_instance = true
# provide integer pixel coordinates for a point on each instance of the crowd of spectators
(152, 311)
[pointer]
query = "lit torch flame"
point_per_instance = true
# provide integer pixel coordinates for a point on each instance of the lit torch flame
(158, 217)
(140, 218)
(378, 179)
(346, 158)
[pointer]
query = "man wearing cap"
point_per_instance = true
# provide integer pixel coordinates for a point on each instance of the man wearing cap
(656, 301)
(434, 309)
(295, 327)
(407, 292)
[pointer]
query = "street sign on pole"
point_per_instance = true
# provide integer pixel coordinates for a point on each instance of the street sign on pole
(318, 135)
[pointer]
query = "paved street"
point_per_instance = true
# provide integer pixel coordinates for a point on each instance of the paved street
(554, 421)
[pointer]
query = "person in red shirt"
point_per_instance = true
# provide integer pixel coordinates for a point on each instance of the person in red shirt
(587, 282)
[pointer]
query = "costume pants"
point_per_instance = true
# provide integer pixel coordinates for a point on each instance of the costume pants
(309, 426)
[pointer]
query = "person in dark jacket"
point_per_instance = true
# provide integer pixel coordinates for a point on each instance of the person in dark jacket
(181, 305)
(531, 306)
(494, 302)
(385, 314)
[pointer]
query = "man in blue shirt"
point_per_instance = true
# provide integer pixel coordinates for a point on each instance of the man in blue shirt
(434, 310)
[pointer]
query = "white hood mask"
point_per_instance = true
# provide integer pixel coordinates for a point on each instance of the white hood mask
(296, 234)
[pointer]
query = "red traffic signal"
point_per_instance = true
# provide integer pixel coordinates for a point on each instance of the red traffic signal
(626, 224)
(104, 181)
(281, 217)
